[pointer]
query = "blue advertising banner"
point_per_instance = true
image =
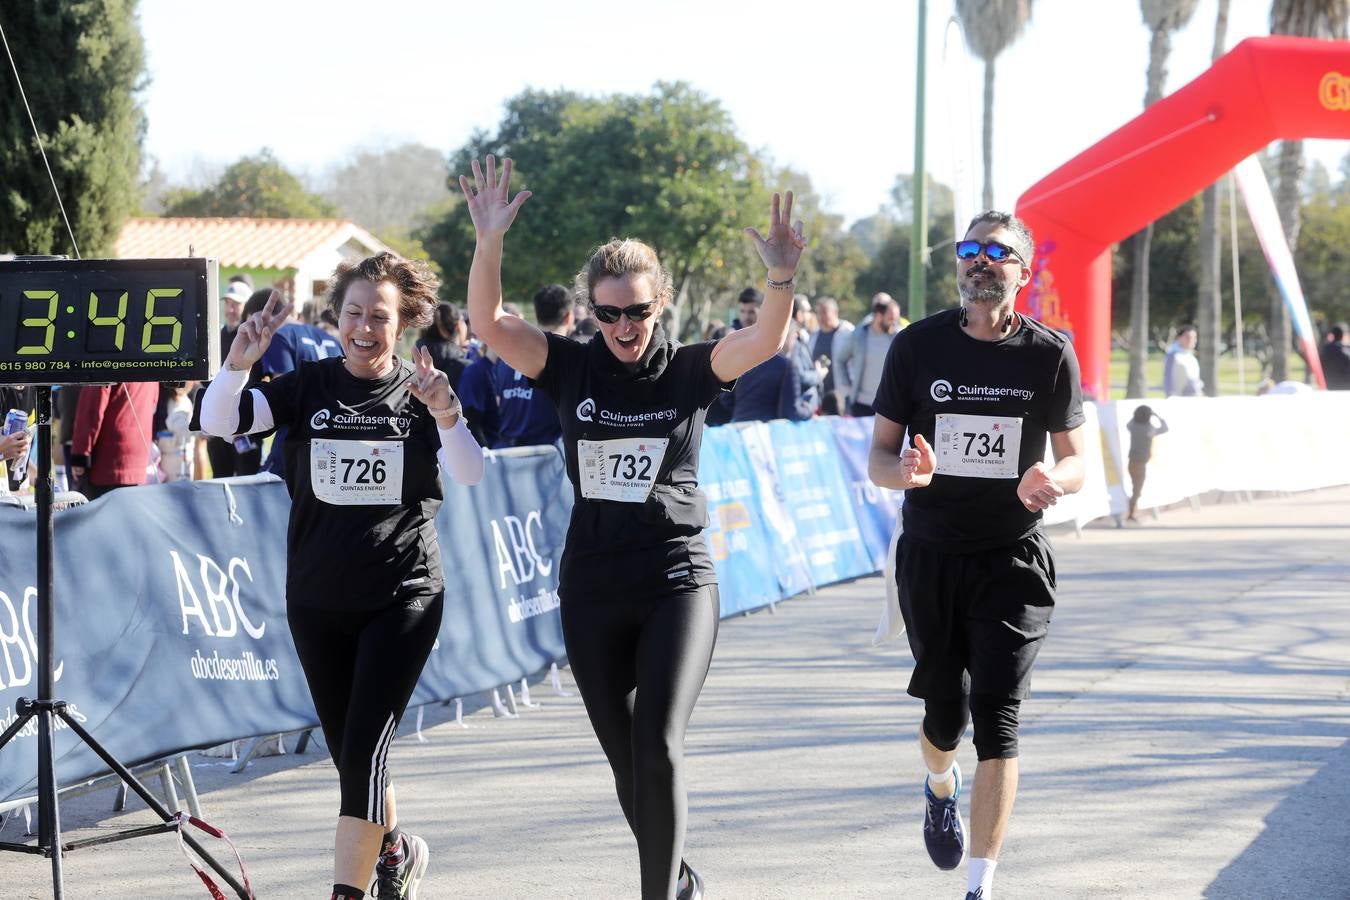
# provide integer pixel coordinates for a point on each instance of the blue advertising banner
(501, 541)
(874, 507)
(738, 540)
(789, 556)
(810, 479)
(170, 611)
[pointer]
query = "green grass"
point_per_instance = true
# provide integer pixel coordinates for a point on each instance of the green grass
(1228, 373)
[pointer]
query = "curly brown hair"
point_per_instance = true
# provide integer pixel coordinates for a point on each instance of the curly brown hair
(415, 281)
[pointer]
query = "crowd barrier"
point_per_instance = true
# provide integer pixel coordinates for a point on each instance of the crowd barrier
(171, 630)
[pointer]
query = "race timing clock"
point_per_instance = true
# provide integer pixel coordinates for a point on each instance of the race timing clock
(68, 321)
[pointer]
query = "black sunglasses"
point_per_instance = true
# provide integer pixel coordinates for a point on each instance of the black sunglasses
(993, 251)
(610, 314)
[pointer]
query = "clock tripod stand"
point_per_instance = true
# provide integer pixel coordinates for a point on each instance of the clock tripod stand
(47, 711)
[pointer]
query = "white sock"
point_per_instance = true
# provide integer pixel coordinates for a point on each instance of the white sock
(981, 875)
(944, 782)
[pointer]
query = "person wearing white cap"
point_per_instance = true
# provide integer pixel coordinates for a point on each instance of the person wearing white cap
(241, 456)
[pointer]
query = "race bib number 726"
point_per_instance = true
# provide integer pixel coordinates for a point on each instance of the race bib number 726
(351, 473)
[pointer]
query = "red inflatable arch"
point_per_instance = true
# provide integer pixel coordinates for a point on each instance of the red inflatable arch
(1264, 89)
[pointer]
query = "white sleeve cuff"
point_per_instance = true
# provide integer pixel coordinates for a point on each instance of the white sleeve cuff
(460, 454)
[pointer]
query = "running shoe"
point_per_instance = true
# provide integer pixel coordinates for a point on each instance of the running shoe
(694, 889)
(400, 882)
(944, 834)
(977, 894)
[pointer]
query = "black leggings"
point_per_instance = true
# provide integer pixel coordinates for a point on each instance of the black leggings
(640, 665)
(361, 668)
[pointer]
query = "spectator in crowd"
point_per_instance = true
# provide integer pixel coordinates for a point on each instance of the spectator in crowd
(748, 303)
(713, 326)
(831, 336)
(445, 339)
(236, 295)
(810, 373)
(478, 395)
(858, 364)
(1181, 370)
(110, 447)
(180, 451)
(584, 330)
(14, 447)
(327, 322)
(294, 343)
(772, 389)
(527, 417)
(1335, 356)
(1143, 427)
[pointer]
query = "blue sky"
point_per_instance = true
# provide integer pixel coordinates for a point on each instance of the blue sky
(825, 88)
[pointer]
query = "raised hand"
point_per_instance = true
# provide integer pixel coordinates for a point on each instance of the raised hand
(489, 207)
(430, 386)
(783, 247)
(253, 336)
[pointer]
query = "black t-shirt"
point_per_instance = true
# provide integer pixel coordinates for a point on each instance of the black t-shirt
(357, 553)
(934, 368)
(651, 544)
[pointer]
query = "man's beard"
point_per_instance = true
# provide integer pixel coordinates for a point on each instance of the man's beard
(990, 292)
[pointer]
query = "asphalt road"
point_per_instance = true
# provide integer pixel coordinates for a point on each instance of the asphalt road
(1188, 736)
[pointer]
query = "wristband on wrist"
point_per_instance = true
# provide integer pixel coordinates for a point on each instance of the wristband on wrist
(779, 285)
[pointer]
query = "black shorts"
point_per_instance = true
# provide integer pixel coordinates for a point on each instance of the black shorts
(975, 621)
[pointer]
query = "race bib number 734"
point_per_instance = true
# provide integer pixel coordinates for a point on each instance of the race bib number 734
(978, 446)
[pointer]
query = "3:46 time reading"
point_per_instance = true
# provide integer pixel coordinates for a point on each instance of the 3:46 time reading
(39, 310)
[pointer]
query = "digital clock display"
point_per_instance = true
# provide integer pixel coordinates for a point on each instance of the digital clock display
(107, 320)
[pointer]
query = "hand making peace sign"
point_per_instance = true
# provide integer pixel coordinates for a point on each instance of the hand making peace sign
(781, 250)
(432, 387)
(251, 341)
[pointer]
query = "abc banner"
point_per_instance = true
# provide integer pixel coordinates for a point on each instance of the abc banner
(170, 611)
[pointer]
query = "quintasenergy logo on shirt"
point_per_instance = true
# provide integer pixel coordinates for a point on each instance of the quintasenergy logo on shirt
(326, 417)
(942, 390)
(587, 411)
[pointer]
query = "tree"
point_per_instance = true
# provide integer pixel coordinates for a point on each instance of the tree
(1210, 315)
(665, 167)
(1162, 17)
(990, 27)
(888, 270)
(255, 186)
(81, 62)
(390, 190)
(1307, 18)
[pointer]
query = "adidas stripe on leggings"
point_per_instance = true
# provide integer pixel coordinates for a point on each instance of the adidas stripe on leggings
(640, 663)
(361, 668)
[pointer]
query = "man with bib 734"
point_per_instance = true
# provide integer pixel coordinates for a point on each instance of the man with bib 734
(979, 388)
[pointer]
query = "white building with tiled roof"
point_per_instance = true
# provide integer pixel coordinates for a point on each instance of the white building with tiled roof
(297, 256)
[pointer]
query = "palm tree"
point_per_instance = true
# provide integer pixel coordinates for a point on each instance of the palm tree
(1306, 18)
(1210, 315)
(990, 26)
(1162, 17)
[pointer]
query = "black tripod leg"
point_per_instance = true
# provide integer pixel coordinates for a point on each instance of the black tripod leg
(22, 720)
(49, 810)
(151, 801)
